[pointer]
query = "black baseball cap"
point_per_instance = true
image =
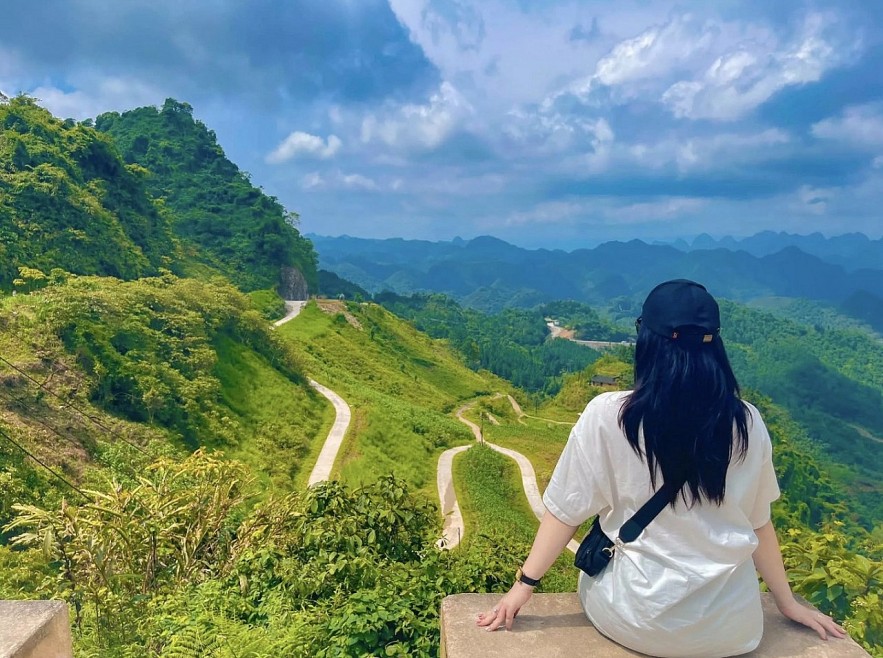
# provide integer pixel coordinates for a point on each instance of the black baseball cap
(682, 310)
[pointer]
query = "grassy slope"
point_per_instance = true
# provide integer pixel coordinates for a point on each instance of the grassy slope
(401, 385)
(283, 426)
(539, 440)
(492, 499)
(279, 425)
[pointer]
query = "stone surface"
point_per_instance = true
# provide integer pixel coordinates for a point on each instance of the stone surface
(34, 629)
(292, 284)
(554, 625)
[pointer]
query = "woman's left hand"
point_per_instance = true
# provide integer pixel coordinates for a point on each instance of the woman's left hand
(507, 609)
(812, 618)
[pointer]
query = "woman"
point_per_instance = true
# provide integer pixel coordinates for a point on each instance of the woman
(687, 585)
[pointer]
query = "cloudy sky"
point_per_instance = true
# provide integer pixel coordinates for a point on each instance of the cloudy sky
(545, 123)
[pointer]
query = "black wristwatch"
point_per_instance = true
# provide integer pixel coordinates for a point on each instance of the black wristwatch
(527, 580)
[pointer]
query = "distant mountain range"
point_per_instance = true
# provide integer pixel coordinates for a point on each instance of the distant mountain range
(851, 251)
(490, 274)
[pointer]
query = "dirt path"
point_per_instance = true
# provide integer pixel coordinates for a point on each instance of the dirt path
(557, 331)
(454, 528)
(342, 414)
(325, 463)
(518, 410)
(865, 433)
(292, 308)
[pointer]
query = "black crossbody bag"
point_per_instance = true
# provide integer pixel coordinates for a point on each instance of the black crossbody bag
(597, 549)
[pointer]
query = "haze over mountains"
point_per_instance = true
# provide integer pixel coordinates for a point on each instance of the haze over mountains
(488, 273)
(852, 251)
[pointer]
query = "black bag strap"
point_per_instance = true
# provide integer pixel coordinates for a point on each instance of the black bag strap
(632, 528)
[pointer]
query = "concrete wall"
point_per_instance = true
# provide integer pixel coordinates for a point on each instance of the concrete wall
(35, 629)
(554, 626)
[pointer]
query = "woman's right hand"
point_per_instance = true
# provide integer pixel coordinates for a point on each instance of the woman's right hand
(507, 609)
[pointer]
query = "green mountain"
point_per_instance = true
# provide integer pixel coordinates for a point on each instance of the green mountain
(67, 201)
(222, 219)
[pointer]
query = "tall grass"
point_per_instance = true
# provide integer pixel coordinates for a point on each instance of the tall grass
(281, 425)
(492, 500)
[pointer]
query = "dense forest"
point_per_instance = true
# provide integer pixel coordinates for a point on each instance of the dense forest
(830, 380)
(238, 229)
(67, 201)
(156, 432)
(512, 343)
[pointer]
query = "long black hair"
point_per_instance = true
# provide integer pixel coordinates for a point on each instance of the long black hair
(686, 400)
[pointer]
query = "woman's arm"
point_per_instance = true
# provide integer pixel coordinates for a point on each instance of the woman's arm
(551, 539)
(768, 562)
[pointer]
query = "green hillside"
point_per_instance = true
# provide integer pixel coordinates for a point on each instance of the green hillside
(402, 387)
(511, 343)
(170, 364)
(224, 221)
(68, 201)
(830, 381)
(279, 577)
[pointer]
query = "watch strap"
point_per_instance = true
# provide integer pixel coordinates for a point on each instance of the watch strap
(527, 580)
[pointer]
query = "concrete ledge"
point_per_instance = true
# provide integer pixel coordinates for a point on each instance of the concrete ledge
(34, 629)
(554, 625)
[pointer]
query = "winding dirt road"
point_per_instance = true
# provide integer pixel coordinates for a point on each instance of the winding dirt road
(325, 463)
(454, 528)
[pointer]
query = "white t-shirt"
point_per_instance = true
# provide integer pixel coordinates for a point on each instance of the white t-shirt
(687, 585)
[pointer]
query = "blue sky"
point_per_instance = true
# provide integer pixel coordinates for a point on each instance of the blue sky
(544, 123)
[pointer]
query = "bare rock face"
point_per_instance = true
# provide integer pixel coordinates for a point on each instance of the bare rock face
(293, 285)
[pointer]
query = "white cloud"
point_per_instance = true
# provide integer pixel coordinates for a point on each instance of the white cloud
(745, 77)
(644, 66)
(552, 133)
(419, 126)
(707, 68)
(339, 180)
(608, 209)
(707, 153)
(858, 126)
(549, 212)
(357, 181)
(655, 51)
(312, 181)
(813, 200)
(665, 209)
(502, 53)
(304, 144)
(94, 96)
